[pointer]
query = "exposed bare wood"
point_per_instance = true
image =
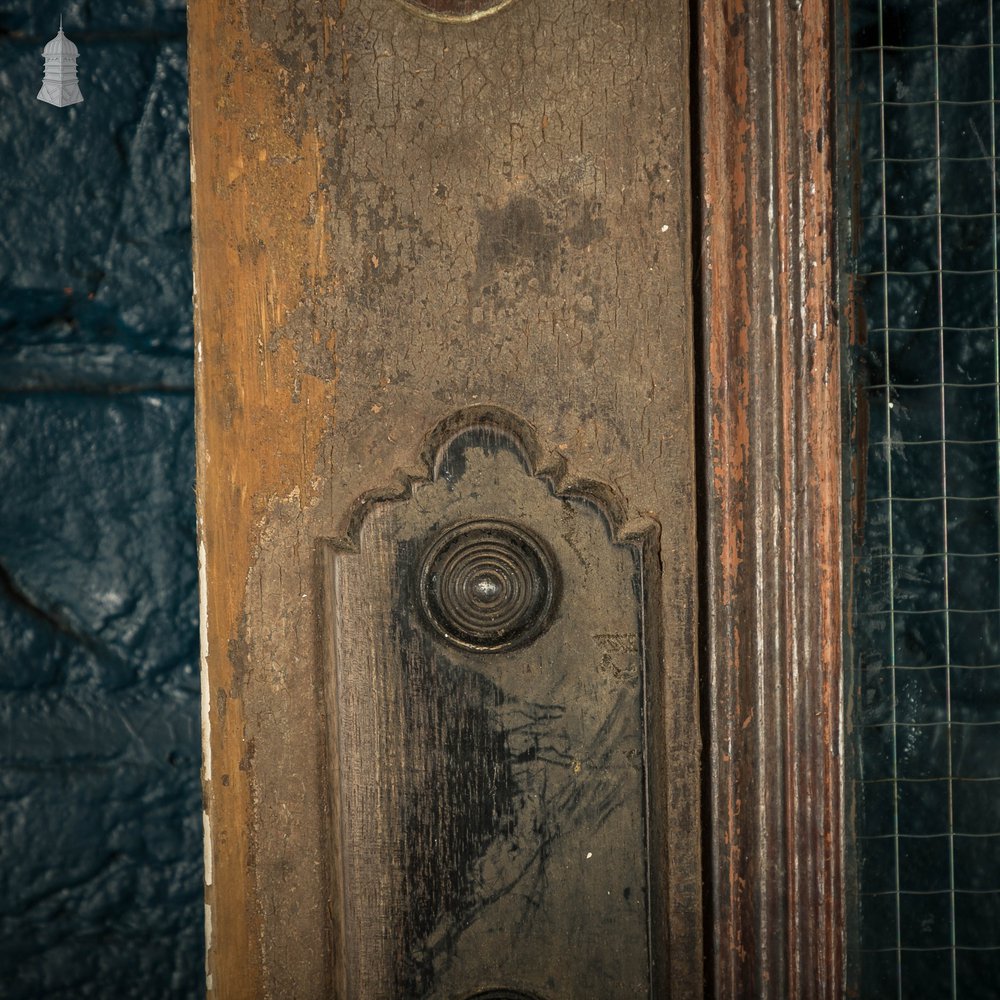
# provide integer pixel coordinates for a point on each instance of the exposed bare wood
(773, 491)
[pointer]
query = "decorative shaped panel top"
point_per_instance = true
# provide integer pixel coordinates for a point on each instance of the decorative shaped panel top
(455, 10)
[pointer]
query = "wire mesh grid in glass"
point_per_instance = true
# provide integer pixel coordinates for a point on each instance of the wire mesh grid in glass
(927, 565)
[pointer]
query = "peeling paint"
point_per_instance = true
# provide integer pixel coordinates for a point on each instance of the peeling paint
(207, 824)
(206, 689)
(208, 944)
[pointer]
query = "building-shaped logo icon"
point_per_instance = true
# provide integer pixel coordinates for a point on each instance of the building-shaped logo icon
(59, 86)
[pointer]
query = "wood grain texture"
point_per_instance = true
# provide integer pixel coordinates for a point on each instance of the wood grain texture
(395, 219)
(773, 542)
(492, 799)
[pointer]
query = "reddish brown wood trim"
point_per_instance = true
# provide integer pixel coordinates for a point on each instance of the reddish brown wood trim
(772, 530)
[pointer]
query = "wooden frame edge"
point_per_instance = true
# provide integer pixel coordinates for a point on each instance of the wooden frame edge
(772, 531)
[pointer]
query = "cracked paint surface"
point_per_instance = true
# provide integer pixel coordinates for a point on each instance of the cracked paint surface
(390, 223)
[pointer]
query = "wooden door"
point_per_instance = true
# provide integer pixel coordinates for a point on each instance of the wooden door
(443, 278)
(447, 496)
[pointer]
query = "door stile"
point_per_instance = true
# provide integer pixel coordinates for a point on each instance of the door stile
(398, 221)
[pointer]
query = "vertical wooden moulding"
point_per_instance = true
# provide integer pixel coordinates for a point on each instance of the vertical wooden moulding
(772, 529)
(397, 219)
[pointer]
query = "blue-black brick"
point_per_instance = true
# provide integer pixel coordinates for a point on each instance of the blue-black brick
(100, 816)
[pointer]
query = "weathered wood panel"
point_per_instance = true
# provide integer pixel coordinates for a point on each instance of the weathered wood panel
(488, 673)
(396, 218)
(773, 542)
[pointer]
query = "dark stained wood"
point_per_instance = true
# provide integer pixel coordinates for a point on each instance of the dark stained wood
(773, 544)
(396, 219)
(492, 753)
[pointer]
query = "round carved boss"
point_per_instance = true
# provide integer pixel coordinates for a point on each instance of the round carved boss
(455, 10)
(488, 585)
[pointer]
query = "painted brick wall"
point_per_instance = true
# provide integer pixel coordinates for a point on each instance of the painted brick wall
(100, 816)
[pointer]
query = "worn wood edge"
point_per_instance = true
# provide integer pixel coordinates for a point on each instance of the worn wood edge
(681, 849)
(772, 535)
(226, 850)
(658, 770)
(327, 550)
(246, 459)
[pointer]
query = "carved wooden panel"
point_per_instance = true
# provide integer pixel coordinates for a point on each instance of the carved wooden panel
(397, 219)
(487, 684)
